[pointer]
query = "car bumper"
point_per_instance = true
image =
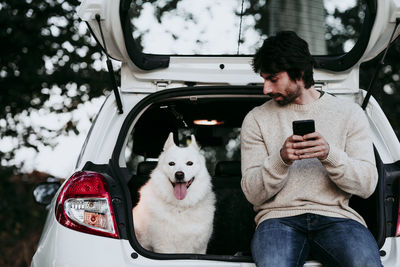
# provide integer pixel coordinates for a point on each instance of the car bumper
(62, 247)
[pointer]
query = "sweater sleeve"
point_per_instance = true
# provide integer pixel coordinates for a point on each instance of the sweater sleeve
(353, 170)
(263, 175)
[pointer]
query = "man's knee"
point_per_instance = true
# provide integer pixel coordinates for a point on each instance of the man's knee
(365, 263)
(277, 244)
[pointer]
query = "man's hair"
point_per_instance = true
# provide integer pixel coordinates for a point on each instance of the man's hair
(285, 52)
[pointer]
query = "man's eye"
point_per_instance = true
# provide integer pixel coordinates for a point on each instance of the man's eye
(171, 163)
(189, 163)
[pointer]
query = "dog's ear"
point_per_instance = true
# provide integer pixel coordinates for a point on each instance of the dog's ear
(194, 143)
(170, 141)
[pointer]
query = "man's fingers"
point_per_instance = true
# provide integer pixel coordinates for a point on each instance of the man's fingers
(288, 154)
(295, 138)
(314, 135)
(309, 150)
(309, 143)
(306, 144)
(320, 152)
(311, 155)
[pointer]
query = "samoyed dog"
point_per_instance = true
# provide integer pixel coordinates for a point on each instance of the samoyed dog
(176, 208)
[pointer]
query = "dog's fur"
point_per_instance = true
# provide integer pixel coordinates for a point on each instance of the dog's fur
(168, 218)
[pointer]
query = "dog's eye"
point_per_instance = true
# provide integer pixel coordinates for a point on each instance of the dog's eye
(189, 163)
(171, 163)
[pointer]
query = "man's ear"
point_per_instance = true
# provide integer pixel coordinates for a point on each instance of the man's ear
(194, 143)
(170, 141)
(300, 81)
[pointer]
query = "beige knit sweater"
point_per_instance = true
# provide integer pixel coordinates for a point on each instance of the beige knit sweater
(309, 185)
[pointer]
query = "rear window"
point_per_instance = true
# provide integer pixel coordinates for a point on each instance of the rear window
(236, 27)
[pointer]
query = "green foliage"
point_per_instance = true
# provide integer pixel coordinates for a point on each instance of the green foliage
(352, 20)
(45, 51)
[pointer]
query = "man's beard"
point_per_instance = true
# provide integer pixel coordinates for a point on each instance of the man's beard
(289, 98)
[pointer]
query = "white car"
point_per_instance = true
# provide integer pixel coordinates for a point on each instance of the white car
(186, 69)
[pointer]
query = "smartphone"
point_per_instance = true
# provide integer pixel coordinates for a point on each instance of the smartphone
(303, 127)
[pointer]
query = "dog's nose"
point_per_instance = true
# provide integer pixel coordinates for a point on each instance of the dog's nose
(179, 175)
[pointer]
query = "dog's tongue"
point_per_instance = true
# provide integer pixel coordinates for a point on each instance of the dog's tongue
(180, 190)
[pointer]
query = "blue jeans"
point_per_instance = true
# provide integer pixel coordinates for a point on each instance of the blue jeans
(332, 241)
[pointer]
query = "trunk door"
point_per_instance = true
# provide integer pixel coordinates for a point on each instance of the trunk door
(166, 44)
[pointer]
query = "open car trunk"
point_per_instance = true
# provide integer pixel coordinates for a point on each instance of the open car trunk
(149, 123)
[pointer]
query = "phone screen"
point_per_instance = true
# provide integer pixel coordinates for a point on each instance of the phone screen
(303, 127)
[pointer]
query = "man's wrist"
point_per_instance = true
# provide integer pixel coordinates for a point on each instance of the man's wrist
(327, 153)
(287, 162)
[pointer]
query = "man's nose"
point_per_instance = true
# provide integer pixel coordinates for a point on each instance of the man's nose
(267, 87)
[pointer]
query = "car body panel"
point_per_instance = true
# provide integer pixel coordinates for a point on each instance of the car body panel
(81, 250)
(392, 252)
(105, 131)
(384, 138)
(385, 21)
(111, 27)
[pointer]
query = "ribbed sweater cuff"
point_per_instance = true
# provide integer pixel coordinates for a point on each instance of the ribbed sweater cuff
(334, 157)
(275, 162)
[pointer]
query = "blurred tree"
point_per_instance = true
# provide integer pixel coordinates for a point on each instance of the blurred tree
(351, 21)
(21, 218)
(387, 86)
(45, 54)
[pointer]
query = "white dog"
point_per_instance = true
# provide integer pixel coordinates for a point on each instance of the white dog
(176, 208)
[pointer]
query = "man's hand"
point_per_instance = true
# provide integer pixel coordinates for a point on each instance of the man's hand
(311, 145)
(288, 154)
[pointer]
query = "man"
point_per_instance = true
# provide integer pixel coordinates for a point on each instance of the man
(300, 185)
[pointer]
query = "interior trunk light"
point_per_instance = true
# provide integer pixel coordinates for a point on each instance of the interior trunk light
(208, 122)
(84, 204)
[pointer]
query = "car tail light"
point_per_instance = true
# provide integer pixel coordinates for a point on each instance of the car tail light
(84, 204)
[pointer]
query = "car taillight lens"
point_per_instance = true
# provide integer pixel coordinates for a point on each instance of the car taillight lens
(84, 204)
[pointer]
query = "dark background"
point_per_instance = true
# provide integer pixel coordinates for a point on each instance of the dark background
(33, 31)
